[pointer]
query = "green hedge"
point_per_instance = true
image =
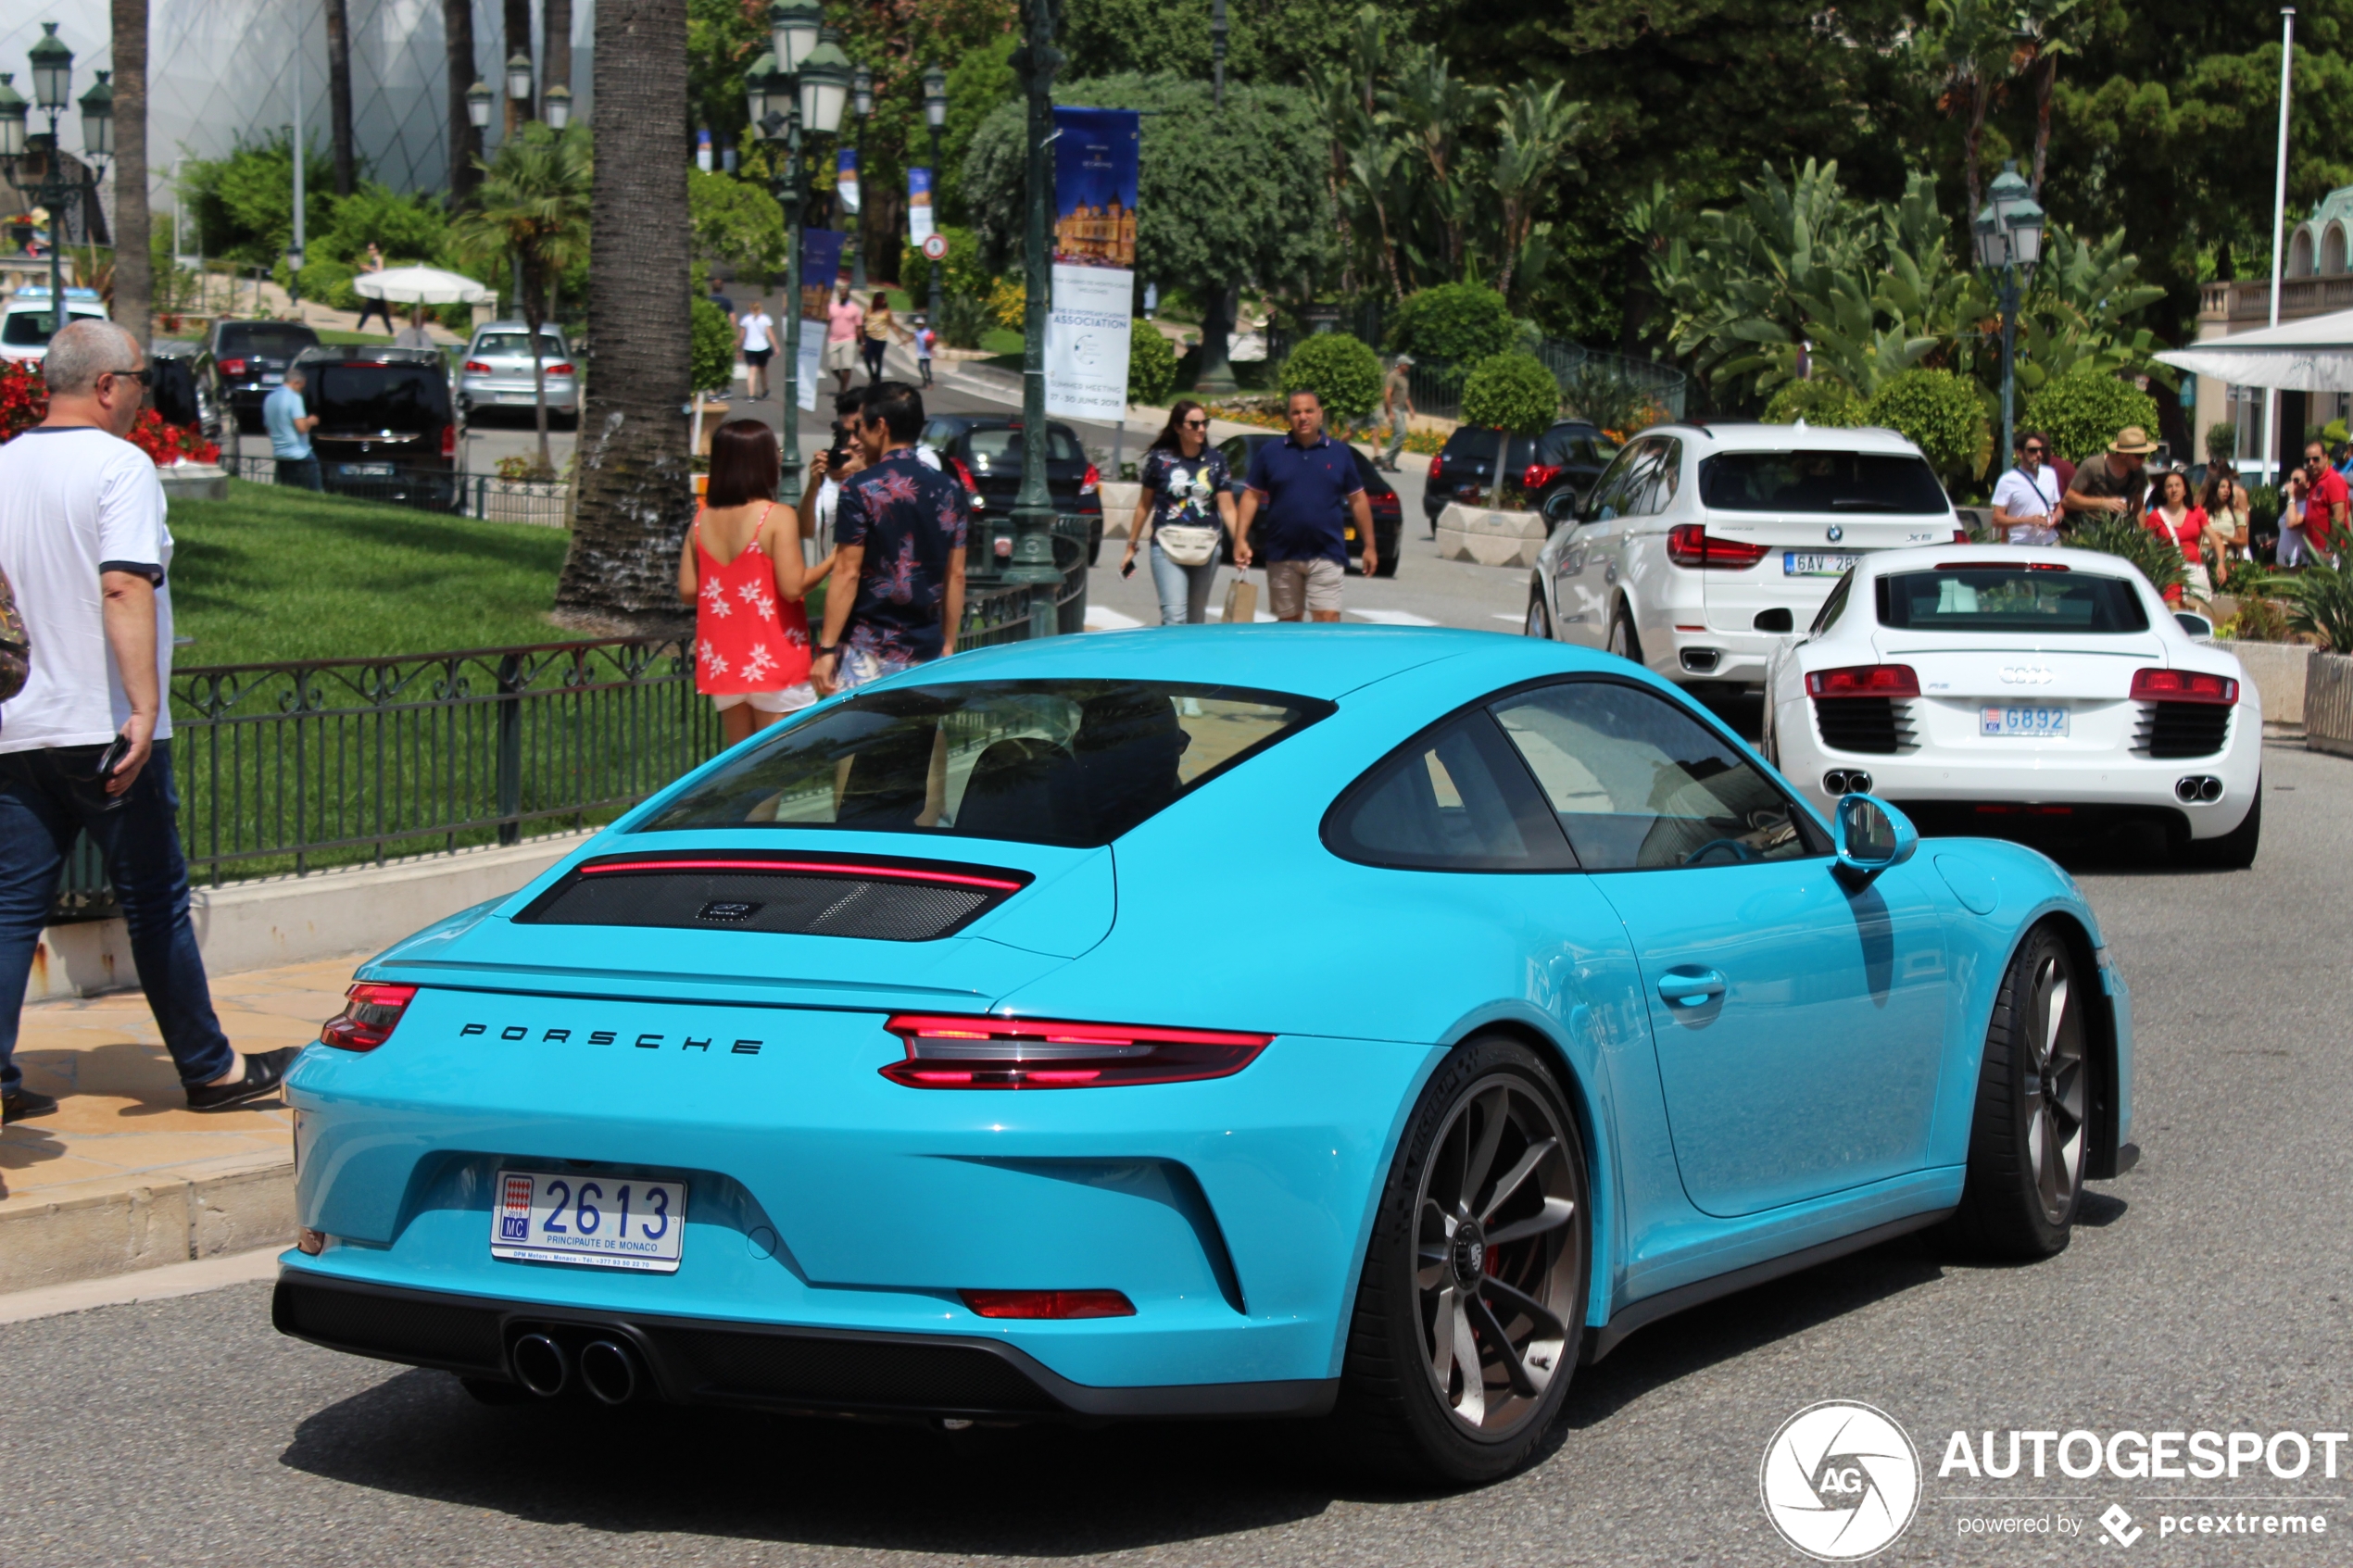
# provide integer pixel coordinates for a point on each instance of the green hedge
(1460, 322)
(1341, 369)
(1512, 392)
(1943, 415)
(1152, 364)
(2083, 411)
(1825, 402)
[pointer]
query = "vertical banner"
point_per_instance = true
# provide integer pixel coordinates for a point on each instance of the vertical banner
(1094, 268)
(846, 178)
(918, 205)
(820, 264)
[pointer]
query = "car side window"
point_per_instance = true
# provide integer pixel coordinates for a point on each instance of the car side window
(1639, 784)
(1452, 798)
(1653, 488)
(1607, 501)
(1833, 607)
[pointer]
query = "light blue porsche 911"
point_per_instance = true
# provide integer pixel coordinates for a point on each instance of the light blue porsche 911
(1361, 1023)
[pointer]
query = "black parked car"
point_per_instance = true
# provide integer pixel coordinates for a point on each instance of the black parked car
(387, 427)
(1388, 517)
(240, 363)
(1555, 468)
(985, 454)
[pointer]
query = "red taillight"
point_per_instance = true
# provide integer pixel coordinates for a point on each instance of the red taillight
(1960, 536)
(1865, 680)
(1090, 481)
(2183, 685)
(370, 1014)
(1535, 476)
(562, 369)
(477, 368)
(1028, 1053)
(1437, 467)
(1048, 1303)
(1689, 544)
(964, 475)
(232, 366)
(449, 440)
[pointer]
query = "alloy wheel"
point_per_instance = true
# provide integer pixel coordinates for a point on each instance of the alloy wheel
(1496, 1259)
(2054, 1090)
(1539, 623)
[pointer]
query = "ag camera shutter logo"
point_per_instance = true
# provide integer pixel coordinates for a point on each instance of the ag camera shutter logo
(1839, 1481)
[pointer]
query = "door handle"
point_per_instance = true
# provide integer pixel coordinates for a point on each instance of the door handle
(1684, 988)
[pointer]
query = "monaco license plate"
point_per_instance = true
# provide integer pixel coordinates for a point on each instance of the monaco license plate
(1817, 563)
(583, 1217)
(364, 471)
(2034, 722)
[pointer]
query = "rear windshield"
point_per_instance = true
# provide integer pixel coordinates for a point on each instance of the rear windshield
(30, 329)
(1068, 762)
(270, 343)
(1001, 448)
(517, 344)
(378, 396)
(2009, 599)
(1476, 443)
(1819, 482)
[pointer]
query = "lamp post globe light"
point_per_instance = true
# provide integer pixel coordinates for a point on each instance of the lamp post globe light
(934, 116)
(554, 104)
(2009, 236)
(862, 104)
(478, 105)
(12, 113)
(519, 77)
(793, 28)
(52, 90)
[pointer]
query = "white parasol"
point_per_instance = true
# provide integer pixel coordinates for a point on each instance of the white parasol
(2313, 355)
(421, 285)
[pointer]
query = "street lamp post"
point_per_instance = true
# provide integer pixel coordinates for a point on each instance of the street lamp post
(51, 80)
(934, 116)
(801, 83)
(2009, 232)
(1035, 64)
(862, 104)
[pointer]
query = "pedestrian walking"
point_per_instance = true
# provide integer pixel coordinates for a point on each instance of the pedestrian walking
(285, 414)
(2173, 518)
(925, 341)
(755, 340)
(1397, 406)
(1185, 508)
(85, 748)
(2325, 504)
(1308, 486)
(899, 537)
(743, 569)
(382, 308)
(2115, 483)
(2223, 500)
(2026, 499)
(844, 329)
(881, 325)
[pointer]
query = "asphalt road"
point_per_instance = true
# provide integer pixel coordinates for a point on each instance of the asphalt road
(2205, 1290)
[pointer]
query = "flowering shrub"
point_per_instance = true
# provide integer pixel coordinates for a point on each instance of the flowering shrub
(24, 402)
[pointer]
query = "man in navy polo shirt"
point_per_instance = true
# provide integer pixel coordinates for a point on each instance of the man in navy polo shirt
(1308, 484)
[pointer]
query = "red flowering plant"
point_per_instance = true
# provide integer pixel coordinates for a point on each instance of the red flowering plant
(24, 402)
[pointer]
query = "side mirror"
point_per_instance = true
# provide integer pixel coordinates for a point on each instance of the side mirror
(2195, 624)
(1873, 836)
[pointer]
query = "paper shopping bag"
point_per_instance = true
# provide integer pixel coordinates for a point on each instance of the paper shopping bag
(1242, 600)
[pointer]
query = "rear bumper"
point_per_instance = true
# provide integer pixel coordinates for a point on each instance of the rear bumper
(516, 393)
(718, 1362)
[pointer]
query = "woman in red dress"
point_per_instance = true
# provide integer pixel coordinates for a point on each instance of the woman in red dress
(741, 569)
(2174, 517)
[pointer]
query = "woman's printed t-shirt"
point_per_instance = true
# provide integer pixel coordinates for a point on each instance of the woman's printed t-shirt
(1185, 490)
(907, 517)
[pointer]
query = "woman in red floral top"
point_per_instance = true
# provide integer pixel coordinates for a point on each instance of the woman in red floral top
(741, 569)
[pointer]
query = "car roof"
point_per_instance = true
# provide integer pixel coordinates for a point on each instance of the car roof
(1710, 437)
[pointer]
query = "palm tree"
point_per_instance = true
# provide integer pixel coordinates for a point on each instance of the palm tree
(465, 141)
(1539, 132)
(532, 205)
(133, 269)
(635, 491)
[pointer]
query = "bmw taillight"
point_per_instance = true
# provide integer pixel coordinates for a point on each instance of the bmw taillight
(449, 440)
(1689, 544)
(1028, 1053)
(1090, 481)
(1960, 536)
(1048, 1303)
(232, 366)
(1535, 476)
(1865, 680)
(2183, 685)
(370, 1012)
(477, 368)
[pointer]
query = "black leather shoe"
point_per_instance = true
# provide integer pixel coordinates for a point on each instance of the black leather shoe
(263, 1074)
(17, 1105)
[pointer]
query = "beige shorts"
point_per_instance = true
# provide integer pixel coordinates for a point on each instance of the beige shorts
(786, 701)
(1297, 587)
(842, 354)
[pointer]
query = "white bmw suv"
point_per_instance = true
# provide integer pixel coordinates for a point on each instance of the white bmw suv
(1702, 545)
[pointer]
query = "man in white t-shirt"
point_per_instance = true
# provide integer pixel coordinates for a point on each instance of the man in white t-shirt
(86, 747)
(754, 336)
(2029, 495)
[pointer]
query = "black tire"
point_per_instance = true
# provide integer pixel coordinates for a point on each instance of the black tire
(2235, 851)
(1390, 555)
(1623, 641)
(1491, 1097)
(2034, 1098)
(1540, 614)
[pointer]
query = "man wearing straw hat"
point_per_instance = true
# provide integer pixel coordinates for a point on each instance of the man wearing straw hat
(2117, 483)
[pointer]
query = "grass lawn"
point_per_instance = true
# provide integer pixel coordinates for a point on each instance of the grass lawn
(272, 574)
(1002, 340)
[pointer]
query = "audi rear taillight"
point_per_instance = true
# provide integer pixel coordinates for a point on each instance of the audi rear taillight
(232, 366)
(477, 368)
(370, 1012)
(1689, 544)
(2183, 685)
(1028, 1053)
(449, 440)
(1090, 481)
(1048, 1303)
(1865, 680)
(1535, 476)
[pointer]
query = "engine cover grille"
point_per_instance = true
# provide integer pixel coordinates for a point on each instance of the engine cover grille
(2181, 729)
(1875, 725)
(878, 897)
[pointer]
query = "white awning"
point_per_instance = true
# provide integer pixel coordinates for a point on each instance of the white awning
(2313, 355)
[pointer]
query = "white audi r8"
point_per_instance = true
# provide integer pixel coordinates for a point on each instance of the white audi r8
(1991, 689)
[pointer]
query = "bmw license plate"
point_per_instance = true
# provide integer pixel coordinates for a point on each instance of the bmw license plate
(2043, 722)
(582, 1217)
(1817, 563)
(364, 471)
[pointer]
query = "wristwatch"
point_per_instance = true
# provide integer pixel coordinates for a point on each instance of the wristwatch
(824, 652)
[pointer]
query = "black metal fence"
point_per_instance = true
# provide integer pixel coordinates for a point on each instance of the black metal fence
(1609, 389)
(487, 496)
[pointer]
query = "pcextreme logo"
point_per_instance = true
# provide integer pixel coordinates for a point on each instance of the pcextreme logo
(1839, 1481)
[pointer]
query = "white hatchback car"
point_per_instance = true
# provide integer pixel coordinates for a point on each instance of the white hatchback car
(1987, 688)
(1701, 546)
(27, 316)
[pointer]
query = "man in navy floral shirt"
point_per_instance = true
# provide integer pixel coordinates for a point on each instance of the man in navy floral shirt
(898, 535)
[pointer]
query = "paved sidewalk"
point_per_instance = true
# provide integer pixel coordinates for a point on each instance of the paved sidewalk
(123, 1175)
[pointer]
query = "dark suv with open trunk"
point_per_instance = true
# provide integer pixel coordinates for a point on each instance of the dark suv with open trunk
(387, 427)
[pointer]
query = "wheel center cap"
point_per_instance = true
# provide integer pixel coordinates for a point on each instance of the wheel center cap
(1470, 1252)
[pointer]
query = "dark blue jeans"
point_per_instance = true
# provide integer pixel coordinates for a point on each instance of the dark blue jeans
(300, 474)
(46, 796)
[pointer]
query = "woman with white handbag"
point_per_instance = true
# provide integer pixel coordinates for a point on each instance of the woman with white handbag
(1186, 510)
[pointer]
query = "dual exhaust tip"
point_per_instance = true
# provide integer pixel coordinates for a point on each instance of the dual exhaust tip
(2199, 789)
(606, 1368)
(1847, 781)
